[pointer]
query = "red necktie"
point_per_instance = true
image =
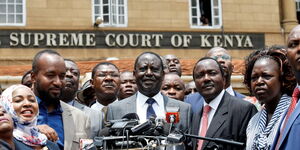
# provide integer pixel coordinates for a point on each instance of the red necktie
(295, 98)
(204, 125)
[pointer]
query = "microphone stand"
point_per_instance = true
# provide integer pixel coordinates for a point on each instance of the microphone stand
(178, 137)
(216, 140)
(172, 120)
(127, 137)
(171, 126)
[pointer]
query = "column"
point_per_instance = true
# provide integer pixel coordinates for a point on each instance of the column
(289, 18)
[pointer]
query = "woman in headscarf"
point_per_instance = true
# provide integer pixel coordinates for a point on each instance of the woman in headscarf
(269, 78)
(20, 102)
(7, 141)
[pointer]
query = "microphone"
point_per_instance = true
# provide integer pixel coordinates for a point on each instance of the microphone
(140, 128)
(172, 114)
(131, 116)
(116, 127)
(127, 117)
(161, 127)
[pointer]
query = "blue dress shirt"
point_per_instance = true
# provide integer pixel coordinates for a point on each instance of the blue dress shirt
(52, 119)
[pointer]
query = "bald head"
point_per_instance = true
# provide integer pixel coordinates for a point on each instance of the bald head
(223, 57)
(295, 33)
(214, 50)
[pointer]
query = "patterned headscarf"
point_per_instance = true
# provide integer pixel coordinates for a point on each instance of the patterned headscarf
(24, 131)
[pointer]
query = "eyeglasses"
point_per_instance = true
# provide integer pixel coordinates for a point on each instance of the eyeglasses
(225, 57)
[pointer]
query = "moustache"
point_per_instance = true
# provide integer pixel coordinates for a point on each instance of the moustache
(109, 84)
(208, 84)
(69, 80)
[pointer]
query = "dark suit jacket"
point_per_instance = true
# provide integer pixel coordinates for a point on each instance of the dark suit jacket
(196, 100)
(290, 135)
(229, 122)
(239, 95)
(128, 105)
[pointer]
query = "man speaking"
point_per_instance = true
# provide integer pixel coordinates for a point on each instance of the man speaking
(148, 101)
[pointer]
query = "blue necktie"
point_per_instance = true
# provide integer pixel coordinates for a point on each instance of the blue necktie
(150, 110)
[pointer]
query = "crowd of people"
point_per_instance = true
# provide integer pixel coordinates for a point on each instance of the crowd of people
(49, 109)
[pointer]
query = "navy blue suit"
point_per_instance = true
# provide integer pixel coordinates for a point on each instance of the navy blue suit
(290, 136)
(196, 100)
(239, 95)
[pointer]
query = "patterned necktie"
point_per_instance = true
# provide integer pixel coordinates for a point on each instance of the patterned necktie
(204, 125)
(295, 98)
(150, 110)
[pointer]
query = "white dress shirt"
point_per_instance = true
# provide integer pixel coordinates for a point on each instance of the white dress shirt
(230, 91)
(214, 105)
(141, 106)
(97, 106)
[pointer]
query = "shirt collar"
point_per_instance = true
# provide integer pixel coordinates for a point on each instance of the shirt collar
(42, 104)
(216, 101)
(99, 105)
(230, 91)
(143, 98)
(71, 102)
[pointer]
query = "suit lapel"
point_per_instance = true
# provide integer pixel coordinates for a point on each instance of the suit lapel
(131, 104)
(290, 122)
(68, 125)
(219, 118)
(167, 103)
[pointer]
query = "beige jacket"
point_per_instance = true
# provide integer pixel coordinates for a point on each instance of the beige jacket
(76, 126)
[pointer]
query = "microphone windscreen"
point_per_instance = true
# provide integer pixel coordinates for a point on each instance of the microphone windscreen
(162, 127)
(172, 117)
(138, 129)
(166, 128)
(131, 116)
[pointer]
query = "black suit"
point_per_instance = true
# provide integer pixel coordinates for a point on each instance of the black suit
(229, 121)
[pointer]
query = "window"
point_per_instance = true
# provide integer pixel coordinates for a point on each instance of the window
(205, 13)
(112, 12)
(12, 12)
(298, 10)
